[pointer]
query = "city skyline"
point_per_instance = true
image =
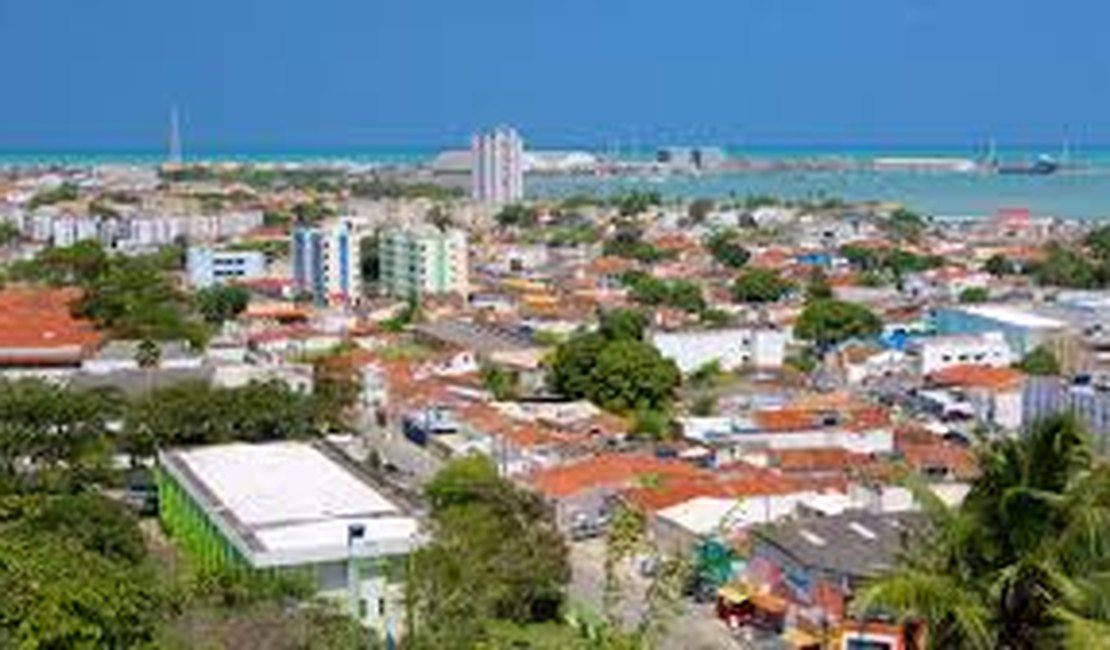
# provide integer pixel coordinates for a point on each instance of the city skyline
(431, 74)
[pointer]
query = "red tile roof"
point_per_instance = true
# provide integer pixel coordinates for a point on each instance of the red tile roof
(37, 327)
(978, 376)
(607, 471)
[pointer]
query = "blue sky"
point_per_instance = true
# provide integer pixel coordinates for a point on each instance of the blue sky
(79, 74)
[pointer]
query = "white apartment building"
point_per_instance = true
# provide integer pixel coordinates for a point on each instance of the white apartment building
(326, 262)
(497, 166)
(987, 349)
(206, 266)
(731, 348)
(423, 260)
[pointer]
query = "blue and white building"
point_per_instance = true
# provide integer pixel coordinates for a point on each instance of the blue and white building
(326, 262)
(207, 266)
(1023, 329)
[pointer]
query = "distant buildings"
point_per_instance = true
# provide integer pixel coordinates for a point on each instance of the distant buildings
(425, 260)
(497, 166)
(326, 262)
(207, 266)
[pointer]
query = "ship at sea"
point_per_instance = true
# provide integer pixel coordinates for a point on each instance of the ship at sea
(1041, 166)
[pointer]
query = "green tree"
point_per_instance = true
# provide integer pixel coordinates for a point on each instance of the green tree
(501, 383)
(632, 375)
(699, 210)
(1098, 241)
(972, 295)
(999, 265)
(60, 194)
(517, 215)
(58, 594)
(220, 303)
(1039, 361)
(760, 285)
(495, 555)
(1064, 267)
(96, 523)
(906, 225)
(135, 299)
(440, 217)
(623, 324)
(818, 288)
(863, 259)
(569, 372)
(726, 249)
(829, 322)
(686, 295)
(629, 243)
(1023, 562)
(9, 233)
(63, 433)
(79, 264)
(637, 202)
(652, 424)
(646, 289)
(196, 414)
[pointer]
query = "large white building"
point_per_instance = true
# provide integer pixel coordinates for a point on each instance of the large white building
(731, 348)
(290, 507)
(326, 262)
(987, 349)
(423, 260)
(497, 166)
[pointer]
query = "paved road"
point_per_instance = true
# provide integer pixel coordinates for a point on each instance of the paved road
(416, 462)
(695, 628)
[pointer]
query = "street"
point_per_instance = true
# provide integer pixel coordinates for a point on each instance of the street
(694, 628)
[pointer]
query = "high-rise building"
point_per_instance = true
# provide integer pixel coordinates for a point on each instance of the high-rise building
(424, 260)
(326, 262)
(497, 166)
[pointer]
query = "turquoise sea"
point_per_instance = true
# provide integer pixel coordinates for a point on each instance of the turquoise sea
(1082, 192)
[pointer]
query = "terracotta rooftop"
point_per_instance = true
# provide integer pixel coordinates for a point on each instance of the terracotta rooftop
(37, 327)
(608, 471)
(978, 376)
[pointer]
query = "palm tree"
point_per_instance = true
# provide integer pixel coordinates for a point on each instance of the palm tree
(1024, 562)
(148, 355)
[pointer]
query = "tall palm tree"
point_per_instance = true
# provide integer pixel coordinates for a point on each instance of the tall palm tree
(148, 355)
(1024, 562)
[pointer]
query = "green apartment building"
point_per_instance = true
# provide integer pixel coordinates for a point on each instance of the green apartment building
(423, 260)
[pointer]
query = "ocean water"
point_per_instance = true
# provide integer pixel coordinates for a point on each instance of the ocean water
(1083, 192)
(1075, 195)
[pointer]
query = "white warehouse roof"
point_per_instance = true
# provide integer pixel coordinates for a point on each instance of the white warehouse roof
(1015, 316)
(287, 503)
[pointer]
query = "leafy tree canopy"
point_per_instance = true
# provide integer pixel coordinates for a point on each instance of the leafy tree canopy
(760, 285)
(221, 303)
(1021, 563)
(495, 556)
(726, 249)
(1039, 361)
(828, 322)
(972, 295)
